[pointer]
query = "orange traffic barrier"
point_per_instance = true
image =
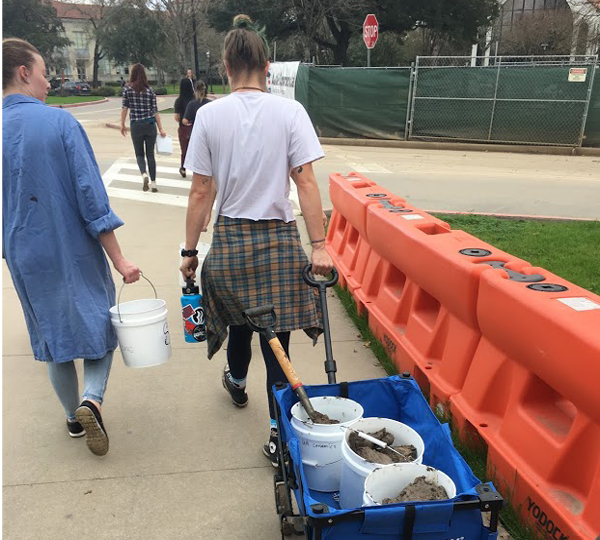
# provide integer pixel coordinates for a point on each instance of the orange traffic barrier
(423, 300)
(336, 240)
(532, 395)
(346, 239)
(351, 194)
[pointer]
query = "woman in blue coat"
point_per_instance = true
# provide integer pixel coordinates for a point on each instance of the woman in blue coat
(56, 225)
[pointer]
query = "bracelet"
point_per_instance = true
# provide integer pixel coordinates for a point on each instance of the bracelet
(317, 241)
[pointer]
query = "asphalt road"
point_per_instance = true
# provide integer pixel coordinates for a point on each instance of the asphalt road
(488, 182)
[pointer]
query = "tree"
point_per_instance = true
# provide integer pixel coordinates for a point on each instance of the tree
(331, 24)
(130, 34)
(96, 14)
(454, 23)
(174, 20)
(35, 21)
(543, 32)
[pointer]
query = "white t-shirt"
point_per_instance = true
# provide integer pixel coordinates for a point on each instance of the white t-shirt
(248, 142)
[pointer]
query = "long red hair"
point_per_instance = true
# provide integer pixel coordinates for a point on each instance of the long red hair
(137, 78)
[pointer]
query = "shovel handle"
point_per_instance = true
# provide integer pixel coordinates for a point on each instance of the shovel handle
(284, 362)
(320, 283)
(259, 312)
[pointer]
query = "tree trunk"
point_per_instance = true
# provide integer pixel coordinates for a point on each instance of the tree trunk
(341, 32)
(340, 52)
(96, 65)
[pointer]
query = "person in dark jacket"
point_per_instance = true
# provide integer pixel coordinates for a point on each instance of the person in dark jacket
(193, 106)
(186, 94)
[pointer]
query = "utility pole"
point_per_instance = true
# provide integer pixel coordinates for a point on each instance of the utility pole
(196, 61)
(208, 71)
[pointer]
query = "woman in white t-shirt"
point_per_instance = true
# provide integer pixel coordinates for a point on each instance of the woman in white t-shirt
(243, 149)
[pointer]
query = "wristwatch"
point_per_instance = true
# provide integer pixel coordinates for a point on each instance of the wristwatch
(189, 252)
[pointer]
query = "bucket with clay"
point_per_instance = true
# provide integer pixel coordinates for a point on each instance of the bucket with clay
(321, 444)
(355, 468)
(142, 330)
(407, 482)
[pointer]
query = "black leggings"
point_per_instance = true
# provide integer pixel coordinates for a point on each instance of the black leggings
(239, 353)
(144, 134)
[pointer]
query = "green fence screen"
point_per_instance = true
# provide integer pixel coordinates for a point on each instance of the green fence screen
(592, 127)
(532, 104)
(355, 102)
(519, 104)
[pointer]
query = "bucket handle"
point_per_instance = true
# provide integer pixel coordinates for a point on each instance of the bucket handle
(121, 290)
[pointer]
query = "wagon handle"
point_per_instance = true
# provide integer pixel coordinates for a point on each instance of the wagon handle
(121, 290)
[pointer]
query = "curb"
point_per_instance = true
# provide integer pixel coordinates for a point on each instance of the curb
(327, 212)
(551, 150)
(471, 147)
(83, 104)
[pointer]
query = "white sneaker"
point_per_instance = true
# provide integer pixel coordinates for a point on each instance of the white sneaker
(153, 186)
(145, 181)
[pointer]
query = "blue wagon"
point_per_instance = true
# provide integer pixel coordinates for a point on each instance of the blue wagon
(318, 515)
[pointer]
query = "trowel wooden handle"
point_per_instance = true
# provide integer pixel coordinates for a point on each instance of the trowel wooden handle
(285, 363)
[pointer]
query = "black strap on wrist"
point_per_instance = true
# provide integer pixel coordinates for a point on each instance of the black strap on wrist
(189, 252)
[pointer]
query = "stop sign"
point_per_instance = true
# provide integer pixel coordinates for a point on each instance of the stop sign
(370, 30)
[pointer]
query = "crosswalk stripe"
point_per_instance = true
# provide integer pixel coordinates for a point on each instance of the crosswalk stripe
(167, 182)
(369, 168)
(158, 198)
(120, 171)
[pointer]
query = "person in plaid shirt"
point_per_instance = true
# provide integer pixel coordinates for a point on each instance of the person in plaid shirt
(242, 151)
(140, 100)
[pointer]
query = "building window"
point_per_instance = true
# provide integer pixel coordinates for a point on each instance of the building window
(104, 66)
(81, 40)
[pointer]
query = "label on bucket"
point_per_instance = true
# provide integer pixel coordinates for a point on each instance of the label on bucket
(413, 216)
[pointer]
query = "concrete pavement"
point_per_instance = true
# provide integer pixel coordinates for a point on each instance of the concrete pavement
(184, 462)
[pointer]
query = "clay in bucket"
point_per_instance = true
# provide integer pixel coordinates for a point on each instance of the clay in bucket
(320, 418)
(420, 489)
(371, 452)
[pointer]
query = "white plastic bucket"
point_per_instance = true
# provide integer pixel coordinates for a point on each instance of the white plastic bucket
(355, 469)
(142, 330)
(389, 481)
(321, 444)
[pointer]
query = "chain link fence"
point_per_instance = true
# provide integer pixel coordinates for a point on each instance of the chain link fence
(507, 99)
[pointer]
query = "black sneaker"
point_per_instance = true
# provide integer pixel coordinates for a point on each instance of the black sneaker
(270, 449)
(89, 417)
(238, 395)
(75, 429)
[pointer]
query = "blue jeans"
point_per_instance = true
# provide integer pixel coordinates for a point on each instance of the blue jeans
(63, 377)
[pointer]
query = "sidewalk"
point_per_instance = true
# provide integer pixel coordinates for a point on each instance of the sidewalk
(184, 462)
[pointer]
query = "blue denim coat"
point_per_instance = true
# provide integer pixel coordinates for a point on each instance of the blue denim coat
(54, 207)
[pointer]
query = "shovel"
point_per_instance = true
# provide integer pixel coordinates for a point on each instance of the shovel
(322, 285)
(270, 335)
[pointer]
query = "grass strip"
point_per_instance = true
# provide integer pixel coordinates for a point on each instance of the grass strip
(474, 454)
(64, 100)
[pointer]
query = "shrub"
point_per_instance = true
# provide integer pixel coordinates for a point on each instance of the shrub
(51, 92)
(104, 91)
(160, 91)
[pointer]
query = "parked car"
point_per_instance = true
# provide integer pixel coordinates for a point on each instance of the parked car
(56, 82)
(76, 88)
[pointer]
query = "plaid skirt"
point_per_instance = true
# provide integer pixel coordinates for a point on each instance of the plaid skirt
(252, 264)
